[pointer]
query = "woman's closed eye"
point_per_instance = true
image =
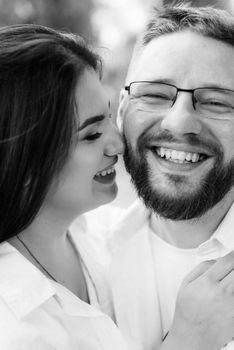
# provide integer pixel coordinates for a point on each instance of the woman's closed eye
(93, 136)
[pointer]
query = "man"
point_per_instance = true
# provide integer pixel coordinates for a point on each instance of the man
(177, 117)
(177, 113)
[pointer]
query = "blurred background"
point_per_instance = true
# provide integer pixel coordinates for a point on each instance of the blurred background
(111, 26)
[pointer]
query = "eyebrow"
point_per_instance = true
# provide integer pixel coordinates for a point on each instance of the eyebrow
(207, 85)
(91, 120)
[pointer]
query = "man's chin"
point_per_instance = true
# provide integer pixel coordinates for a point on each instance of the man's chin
(175, 187)
(178, 196)
(173, 205)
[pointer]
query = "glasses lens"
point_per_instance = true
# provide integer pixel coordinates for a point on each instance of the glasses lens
(214, 102)
(152, 96)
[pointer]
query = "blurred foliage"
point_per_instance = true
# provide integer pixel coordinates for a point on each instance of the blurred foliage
(72, 15)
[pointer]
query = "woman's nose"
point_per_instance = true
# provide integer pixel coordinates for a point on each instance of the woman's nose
(114, 142)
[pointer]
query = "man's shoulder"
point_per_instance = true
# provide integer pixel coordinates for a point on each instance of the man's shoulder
(105, 216)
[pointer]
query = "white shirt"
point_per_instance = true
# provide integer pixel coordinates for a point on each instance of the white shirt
(38, 314)
(90, 235)
(171, 265)
(136, 288)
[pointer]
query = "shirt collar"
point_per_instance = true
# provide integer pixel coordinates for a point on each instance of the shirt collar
(72, 305)
(221, 242)
(133, 219)
(22, 286)
(224, 232)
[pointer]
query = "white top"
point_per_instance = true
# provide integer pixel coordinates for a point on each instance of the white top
(171, 265)
(38, 314)
(143, 290)
(90, 235)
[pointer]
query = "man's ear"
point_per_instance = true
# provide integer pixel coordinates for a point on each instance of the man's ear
(120, 112)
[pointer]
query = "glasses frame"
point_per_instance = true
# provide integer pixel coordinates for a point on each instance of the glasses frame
(191, 91)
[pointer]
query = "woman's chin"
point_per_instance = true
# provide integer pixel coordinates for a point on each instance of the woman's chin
(107, 195)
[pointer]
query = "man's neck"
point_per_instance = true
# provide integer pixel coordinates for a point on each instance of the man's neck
(189, 234)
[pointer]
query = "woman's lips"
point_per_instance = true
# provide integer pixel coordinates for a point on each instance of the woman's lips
(106, 175)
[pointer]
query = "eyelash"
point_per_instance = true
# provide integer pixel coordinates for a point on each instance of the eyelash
(93, 137)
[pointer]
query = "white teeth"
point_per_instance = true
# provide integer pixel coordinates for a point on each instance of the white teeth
(178, 156)
(174, 155)
(162, 152)
(195, 157)
(168, 154)
(106, 172)
(182, 156)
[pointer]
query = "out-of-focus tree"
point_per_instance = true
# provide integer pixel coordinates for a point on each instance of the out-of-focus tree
(72, 15)
(118, 23)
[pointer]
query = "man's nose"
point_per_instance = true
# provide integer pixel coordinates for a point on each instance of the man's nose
(182, 118)
(114, 143)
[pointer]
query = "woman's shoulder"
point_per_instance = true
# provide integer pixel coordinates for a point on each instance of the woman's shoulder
(97, 221)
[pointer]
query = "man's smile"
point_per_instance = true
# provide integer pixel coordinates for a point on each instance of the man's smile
(181, 157)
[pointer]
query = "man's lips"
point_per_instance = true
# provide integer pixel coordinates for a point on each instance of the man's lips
(183, 147)
(173, 165)
(180, 153)
(182, 157)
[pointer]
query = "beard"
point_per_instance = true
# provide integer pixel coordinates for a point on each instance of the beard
(211, 189)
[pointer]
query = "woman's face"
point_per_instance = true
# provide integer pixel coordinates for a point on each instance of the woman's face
(88, 178)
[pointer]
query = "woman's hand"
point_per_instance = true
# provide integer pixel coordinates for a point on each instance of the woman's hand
(204, 314)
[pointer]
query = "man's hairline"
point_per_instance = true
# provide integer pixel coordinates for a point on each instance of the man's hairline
(140, 46)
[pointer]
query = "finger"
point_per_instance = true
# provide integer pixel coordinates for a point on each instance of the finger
(222, 267)
(228, 282)
(199, 270)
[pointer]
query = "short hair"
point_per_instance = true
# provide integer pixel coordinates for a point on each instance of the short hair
(206, 21)
(39, 70)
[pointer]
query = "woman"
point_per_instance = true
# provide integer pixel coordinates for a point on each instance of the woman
(58, 148)
(54, 165)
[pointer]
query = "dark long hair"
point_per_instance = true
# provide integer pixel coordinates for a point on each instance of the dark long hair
(39, 70)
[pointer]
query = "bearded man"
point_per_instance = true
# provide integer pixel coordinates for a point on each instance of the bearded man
(177, 117)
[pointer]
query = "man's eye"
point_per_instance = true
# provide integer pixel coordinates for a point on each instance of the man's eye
(93, 137)
(156, 97)
(214, 103)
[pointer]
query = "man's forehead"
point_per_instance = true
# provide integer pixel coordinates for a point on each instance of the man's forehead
(138, 48)
(183, 51)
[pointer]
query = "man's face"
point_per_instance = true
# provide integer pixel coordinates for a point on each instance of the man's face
(181, 161)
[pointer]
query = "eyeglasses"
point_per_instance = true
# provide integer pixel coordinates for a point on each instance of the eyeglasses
(159, 97)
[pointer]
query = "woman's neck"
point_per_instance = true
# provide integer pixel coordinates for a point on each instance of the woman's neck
(47, 245)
